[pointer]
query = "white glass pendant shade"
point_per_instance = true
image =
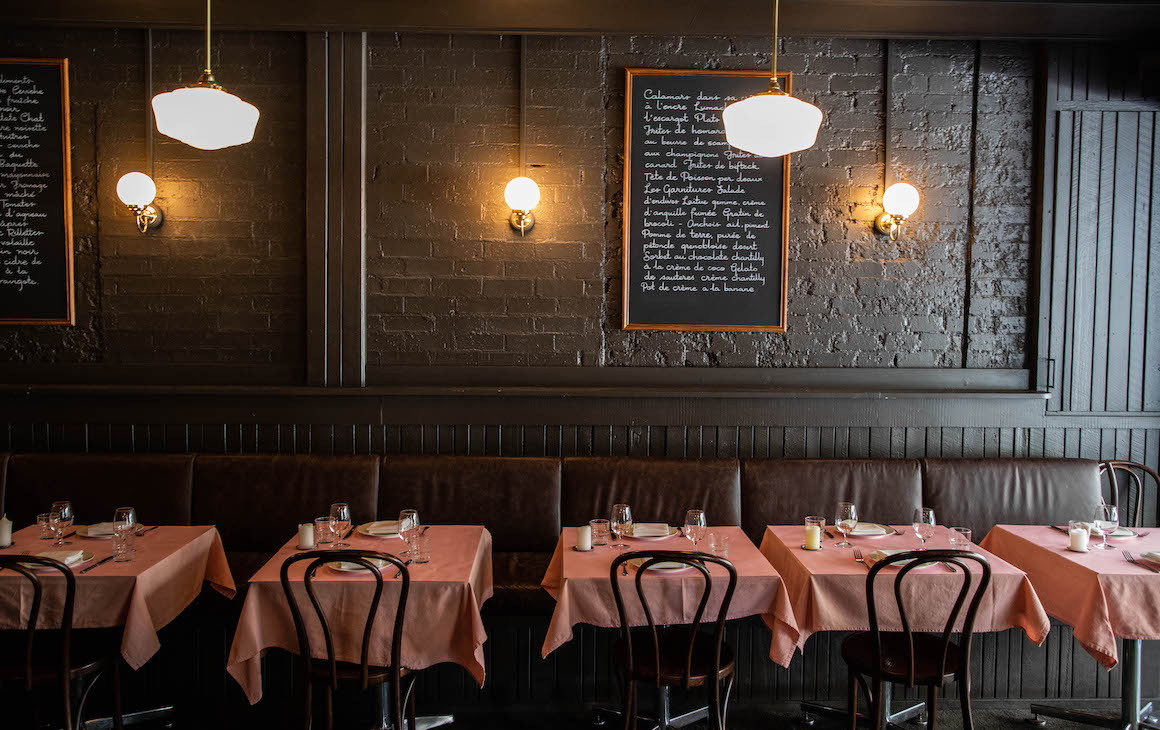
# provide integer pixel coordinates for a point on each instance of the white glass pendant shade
(136, 189)
(771, 125)
(900, 199)
(205, 117)
(522, 193)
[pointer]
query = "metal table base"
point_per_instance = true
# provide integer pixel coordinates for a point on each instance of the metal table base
(1132, 715)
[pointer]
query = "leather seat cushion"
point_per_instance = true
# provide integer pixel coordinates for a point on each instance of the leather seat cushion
(657, 490)
(90, 649)
(159, 486)
(673, 645)
(517, 499)
(858, 652)
(258, 501)
(516, 577)
(981, 493)
(784, 491)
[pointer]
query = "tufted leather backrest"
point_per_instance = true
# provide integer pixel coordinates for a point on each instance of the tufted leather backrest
(981, 493)
(658, 490)
(159, 486)
(784, 491)
(258, 501)
(517, 499)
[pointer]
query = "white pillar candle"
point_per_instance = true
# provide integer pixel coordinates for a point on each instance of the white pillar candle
(5, 531)
(813, 537)
(306, 536)
(584, 538)
(1079, 540)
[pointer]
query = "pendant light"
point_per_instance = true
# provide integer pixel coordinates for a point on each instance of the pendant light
(204, 115)
(772, 123)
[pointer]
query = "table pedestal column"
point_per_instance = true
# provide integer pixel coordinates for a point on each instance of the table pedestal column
(1132, 716)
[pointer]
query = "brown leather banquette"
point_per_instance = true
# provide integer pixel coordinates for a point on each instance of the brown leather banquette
(257, 500)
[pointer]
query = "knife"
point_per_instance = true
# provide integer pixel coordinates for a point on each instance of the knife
(829, 535)
(1061, 529)
(102, 561)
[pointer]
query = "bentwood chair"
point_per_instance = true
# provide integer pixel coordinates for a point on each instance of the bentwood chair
(914, 658)
(34, 657)
(1128, 479)
(330, 673)
(672, 656)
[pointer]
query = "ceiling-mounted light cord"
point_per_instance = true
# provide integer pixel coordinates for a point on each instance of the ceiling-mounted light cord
(207, 65)
(774, 87)
(523, 103)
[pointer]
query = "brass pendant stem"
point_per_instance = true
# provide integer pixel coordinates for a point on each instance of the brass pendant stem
(207, 66)
(773, 64)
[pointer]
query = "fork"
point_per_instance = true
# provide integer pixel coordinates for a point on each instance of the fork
(858, 556)
(1130, 559)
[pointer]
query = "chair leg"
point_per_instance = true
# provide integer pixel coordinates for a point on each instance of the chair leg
(965, 702)
(66, 697)
(714, 719)
(932, 707)
(329, 698)
(852, 699)
(118, 714)
(629, 704)
(725, 703)
(307, 704)
(876, 705)
(79, 718)
(412, 720)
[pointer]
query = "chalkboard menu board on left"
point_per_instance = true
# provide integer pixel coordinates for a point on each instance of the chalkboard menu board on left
(36, 248)
(705, 224)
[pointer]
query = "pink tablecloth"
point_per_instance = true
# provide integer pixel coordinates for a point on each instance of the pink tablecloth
(579, 583)
(442, 624)
(143, 594)
(1098, 593)
(828, 590)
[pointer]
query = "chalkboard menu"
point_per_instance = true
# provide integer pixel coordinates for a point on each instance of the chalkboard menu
(36, 278)
(705, 224)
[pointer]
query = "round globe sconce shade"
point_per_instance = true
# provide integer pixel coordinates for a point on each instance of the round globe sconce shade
(205, 117)
(771, 125)
(900, 199)
(522, 193)
(136, 189)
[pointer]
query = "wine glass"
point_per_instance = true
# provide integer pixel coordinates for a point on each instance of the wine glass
(409, 526)
(340, 522)
(846, 519)
(621, 521)
(923, 524)
(1106, 522)
(695, 525)
(64, 520)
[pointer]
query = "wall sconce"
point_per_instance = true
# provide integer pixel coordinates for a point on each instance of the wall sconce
(137, 191)
(522, 194)
(899, 201)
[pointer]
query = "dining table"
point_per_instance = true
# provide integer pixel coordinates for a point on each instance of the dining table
(827, 589)
(171, 566)
(443, 622)
(581, 586)
(1103, 595)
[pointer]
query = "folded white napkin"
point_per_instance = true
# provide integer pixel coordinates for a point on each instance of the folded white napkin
(68, 557)
(378, 563)
(650, 529)
(868, 529)
(1151, 557)
(663, 565)
(101, 529)
(877, 555)
(383, 527)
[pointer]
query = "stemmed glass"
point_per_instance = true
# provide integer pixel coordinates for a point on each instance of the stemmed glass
(125, 518)
(621, 521)
(846, 520)
(923, 524)
(695, 525)
(62, 519)
(1107, 521)
(409, 526)
(340, 522)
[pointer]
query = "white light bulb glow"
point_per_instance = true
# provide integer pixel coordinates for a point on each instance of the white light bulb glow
(771, 125)
(522, 193)
(136, 189)
(900, 199)
(205, 117)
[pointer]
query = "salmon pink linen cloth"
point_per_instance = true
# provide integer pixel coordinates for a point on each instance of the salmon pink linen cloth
(827, 588)
(442, 622)
(143, 595)
(1098, 593)
(580, 584)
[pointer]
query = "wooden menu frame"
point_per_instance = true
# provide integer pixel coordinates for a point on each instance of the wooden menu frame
(66, 202)
(785, 78)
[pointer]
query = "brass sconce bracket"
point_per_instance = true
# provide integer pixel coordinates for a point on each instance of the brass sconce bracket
(522, 220)
(889, 225)
(148, 217)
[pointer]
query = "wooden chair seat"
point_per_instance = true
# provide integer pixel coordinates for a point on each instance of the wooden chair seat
(674, 648)
(91, 652)
(858, 653)
(351, 672)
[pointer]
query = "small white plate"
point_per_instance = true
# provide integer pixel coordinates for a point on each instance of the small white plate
(1122, 532)
(363, 528)
(672, 531)
(662, 567)
(85, 557)
(888, 530)
(345, 567)
(83, 531)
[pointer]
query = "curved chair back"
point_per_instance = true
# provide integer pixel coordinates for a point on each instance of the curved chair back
(698, 561)
(364, 558)
(1128, 479)
(23, 564)
(956, 559)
